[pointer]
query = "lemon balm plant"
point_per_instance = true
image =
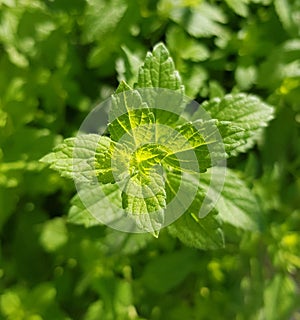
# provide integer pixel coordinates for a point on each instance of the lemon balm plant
(59, 259)
(160, 160)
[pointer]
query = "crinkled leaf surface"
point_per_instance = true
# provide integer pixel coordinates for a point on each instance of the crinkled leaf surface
(166, 95)
(241, 119)
(196, 144)
(159, 71)
(75, 157)
(128, 112)
(144, 199)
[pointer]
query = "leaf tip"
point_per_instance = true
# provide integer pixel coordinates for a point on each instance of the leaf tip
(155, 233)
(160, 46)
(123, 86)
(47, 159)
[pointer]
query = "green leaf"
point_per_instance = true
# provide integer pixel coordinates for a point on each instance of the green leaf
(281, 68)
(288, 12)
(189, 147)
(103, 167)
(103, 25)
(128, 66)
(141, 202)
(205, 140)
(185, 46)
(161, 87)
(239, 6)
(144, 199)
(146, 158)
(159, 71)
(75, 158)
(193, 139)
(195, 79)
(95, 310)
(241, 119)
(245, 76)
(234, 137)
(201, 233)
(236, 204)
(101, 18)
(128, 112)
(204, 20)
(141, 142)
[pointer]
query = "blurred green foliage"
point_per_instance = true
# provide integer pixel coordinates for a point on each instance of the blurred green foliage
(57, 59)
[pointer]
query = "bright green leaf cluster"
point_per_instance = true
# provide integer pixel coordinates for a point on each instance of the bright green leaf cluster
(125, 160)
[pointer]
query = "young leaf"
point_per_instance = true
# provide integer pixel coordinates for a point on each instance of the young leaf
(127, 112)
(159, 71)
(161, 87)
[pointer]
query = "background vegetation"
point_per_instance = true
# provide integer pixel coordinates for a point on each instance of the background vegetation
(58, 58)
